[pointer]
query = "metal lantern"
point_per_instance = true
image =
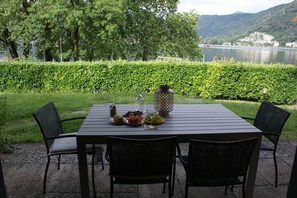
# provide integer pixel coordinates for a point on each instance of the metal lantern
(164, 100)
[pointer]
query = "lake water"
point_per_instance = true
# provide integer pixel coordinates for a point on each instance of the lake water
(245, 54)
(251, 54)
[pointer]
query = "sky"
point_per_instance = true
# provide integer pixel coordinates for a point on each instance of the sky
(222, 7)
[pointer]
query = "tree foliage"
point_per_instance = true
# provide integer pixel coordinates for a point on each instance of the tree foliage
(65, 30)
(180, 42)
(11, 14)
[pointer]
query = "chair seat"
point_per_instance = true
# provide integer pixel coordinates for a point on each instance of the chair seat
(68, 145)
(64, 145)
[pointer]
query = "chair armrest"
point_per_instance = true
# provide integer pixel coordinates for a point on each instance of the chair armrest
(270, 133)
(66, 124)
(76, 118)
(247, 118)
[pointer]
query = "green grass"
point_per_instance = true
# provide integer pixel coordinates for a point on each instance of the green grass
(21, 127)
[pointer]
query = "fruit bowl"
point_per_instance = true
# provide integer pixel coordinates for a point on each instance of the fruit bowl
(156, 119)
(132, 113)
(134, 120)
(133, 124)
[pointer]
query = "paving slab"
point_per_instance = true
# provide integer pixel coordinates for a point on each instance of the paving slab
(24, 170)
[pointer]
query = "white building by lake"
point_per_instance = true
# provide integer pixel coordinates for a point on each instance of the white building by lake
(259, 39)
(293, 44)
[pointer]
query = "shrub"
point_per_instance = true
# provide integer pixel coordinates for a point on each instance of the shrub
(217, 80)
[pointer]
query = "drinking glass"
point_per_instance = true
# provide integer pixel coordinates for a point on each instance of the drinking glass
(149, 111)
(108, 102)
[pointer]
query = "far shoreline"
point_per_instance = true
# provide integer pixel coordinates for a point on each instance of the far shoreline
(247, 47)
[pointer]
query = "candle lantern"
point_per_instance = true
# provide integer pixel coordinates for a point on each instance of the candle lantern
(164, 100)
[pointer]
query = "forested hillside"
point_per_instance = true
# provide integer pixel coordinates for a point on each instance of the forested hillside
(276, 21)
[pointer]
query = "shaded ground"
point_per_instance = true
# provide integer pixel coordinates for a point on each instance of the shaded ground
(24, 169)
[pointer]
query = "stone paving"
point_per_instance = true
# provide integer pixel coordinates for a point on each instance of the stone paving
(24, 169)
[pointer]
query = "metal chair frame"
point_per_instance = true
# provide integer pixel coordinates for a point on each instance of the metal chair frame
(270, 119)
(3, 192)
(217, 163)
(142, 161)
(50, 124)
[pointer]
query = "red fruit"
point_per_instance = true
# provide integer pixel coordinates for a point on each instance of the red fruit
(137, 119)
(131, 120)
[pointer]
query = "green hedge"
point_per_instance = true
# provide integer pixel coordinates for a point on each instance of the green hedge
(218, 80)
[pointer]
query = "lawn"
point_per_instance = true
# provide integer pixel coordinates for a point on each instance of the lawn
(20, 126)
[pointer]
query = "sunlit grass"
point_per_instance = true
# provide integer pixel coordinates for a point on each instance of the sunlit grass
(20, 125)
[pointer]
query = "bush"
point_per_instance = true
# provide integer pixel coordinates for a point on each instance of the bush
(217, 80)
(246, 81)
(3, 111)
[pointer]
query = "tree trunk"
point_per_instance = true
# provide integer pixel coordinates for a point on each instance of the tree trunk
(89, 53)
(26, 4)
(48, 51)
(75, 39)
(11, 45)
(75, 33)
(13, 49)
(48, 55)
(145, 54)
(26, 51)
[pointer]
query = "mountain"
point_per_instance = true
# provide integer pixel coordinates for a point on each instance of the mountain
(276, 21)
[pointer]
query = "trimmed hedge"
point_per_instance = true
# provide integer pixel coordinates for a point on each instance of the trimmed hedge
(217, 80)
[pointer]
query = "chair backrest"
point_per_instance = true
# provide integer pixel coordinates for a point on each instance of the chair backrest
(141, 158)
(216, 163)
(49, 122)
(271, 119)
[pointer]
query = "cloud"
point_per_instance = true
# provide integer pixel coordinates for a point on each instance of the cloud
(228, 6)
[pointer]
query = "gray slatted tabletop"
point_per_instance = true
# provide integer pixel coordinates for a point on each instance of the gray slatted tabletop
(203, 121)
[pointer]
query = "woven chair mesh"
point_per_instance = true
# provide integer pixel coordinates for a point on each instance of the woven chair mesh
(49, 121)
(271, 119)
(141, 160)
(218, 163)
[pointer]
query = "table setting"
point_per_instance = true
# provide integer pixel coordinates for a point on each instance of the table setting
(185, 121)
(147, 115)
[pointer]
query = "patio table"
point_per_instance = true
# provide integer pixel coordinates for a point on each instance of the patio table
(186, 121)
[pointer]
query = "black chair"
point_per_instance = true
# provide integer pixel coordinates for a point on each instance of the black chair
(2, 183)
(142, 161)
(57, 143)
(292, 187)
(271, 120)
(217, 163)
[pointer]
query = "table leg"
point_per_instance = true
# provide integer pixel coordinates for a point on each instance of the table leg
(83, 168)
(251, 179)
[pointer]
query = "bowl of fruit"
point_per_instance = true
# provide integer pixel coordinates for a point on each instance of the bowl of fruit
(154, 119)
(134, 120)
